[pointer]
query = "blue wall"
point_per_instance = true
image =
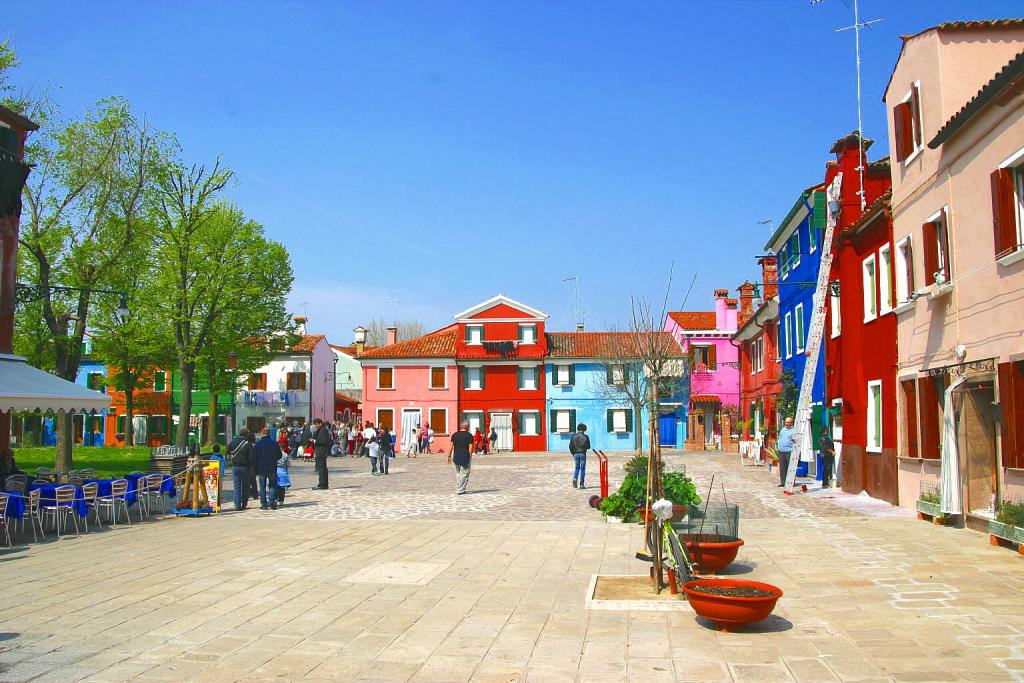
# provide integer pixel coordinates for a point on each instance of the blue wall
(588, 396)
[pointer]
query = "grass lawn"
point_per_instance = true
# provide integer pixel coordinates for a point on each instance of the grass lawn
(108, 462)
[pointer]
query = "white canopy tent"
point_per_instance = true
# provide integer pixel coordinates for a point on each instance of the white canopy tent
(23, 387)
(951, 493)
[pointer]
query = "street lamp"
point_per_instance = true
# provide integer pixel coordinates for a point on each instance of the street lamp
(233, 366)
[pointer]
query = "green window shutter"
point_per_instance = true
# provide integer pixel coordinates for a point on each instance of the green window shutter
(120, 424)
(629, 419)
(572, 375)
(519, 378)
(609, 378)
(554, 375)
(519, 423)
(159, 380)
(572, 420)
(483, 376)
(465, 378)
(519, 333)
(610, 416)
(552, 421)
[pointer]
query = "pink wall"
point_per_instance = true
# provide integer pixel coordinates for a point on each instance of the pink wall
(725, 381)
(412, 390)
(321, 381)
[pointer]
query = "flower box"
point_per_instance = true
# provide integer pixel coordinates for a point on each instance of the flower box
(1013, 534)
(932, 510)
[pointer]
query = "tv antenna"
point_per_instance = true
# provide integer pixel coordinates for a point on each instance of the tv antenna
(770, 222)
(857, 26)
(577, 306)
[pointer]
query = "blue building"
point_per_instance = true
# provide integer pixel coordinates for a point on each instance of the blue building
(797, 243)
(583, 370)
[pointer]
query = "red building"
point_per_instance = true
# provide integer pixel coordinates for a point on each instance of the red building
(757, 336)
(860, 348)
(500, 352)
(151, 410)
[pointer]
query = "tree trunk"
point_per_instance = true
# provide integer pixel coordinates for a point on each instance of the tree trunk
(129, 412)
(638, 432)
(65, 440)
(187, 371)
(211, 434)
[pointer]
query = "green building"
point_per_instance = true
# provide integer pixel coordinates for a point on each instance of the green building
(199, 424)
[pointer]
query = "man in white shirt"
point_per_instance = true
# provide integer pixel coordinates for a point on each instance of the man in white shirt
(369, 433)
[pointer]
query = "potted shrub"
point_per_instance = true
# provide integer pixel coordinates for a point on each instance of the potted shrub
(928, 504)
(628, 502)
(1008, 524)
(731, 602)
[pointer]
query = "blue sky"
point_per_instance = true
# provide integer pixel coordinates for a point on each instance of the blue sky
(436, 153)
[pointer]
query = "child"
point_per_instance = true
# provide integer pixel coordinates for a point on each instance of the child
(373, 449)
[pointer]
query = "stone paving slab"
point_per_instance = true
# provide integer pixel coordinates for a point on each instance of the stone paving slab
(496, 589)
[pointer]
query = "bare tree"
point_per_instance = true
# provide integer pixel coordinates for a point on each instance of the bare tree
(377, 330)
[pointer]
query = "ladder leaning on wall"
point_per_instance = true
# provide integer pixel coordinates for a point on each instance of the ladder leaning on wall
(802, 437)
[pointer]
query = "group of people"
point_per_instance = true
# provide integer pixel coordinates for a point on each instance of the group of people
(826, 449)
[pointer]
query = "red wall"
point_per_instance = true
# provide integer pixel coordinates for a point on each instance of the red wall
(763, 386)
(501, 393)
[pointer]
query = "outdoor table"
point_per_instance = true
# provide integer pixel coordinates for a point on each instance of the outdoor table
(15, 505)
(166, 486)
(48, 497)
(104, 488)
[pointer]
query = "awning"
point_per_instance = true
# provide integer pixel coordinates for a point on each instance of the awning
(23, 387)
(705, 398)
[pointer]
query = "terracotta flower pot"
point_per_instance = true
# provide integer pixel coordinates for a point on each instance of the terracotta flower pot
(679, 513)
(712, 552)
(728, 611)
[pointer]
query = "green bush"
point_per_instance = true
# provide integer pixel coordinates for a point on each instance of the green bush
(623, 504)
(1011, 514)
(930, 497)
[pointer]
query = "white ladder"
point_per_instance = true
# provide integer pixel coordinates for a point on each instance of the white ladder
(802, 437)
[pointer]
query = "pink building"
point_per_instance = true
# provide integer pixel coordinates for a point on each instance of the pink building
(408, 383)
(706, 338)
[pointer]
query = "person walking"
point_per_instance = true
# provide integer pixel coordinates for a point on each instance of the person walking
(283, 481)
(373, 451)
(784, 447)
(579, 444)
(321, 437)
(478, 441)
(240, 458)
(827, 450)
(461, 452)
(413, 447)
(350, 439)
(253, 490)
(283, 441)
(267, 453)
(492, 440)
(425, 439)
(387, 450)
(368, 433)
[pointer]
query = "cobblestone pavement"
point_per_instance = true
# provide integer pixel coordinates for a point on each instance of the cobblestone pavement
(395, 578)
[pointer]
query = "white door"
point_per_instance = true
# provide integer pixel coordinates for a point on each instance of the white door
(502, 423)
(475, 420)
(410, 419)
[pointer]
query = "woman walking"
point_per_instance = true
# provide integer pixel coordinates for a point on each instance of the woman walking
(387, 449)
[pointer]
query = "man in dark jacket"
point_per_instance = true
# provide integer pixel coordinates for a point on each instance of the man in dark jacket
(321, 449)
(240, 460)
(579, 444)
(266, 453)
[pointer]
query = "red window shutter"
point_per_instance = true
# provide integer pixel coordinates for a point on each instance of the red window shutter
(910, 405)
(1003, 218)
(903, 129)
(946, 244)
(1011, 408)
(931, 252)
(915, 106)
(929, 414)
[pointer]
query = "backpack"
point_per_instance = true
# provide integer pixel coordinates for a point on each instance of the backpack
(238, 450)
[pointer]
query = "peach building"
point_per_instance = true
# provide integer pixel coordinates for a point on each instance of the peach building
(956, 121)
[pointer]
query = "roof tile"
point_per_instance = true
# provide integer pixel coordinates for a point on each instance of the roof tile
(439, 344)
(695, 320)
(308, 342)
(606, 344)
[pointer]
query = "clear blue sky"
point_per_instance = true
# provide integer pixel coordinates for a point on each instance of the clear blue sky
(437, 153)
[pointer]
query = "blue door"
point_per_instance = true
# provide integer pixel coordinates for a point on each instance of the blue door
(667, 429)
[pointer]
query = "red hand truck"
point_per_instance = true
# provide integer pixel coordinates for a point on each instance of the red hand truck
(602, 459)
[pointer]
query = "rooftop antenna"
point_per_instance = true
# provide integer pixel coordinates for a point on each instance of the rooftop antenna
(857, 26)
(770, 222)
(577, 307)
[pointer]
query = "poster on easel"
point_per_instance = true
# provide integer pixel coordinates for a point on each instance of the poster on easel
(211, 477)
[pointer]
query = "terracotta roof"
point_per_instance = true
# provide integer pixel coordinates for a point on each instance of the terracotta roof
(1010, 76)
(705, 398)
(440, 344)
(850, 140)
(342, 398)
(605, 344)
(880, 163)
(871, 213)
(309, 342)
(350, 349)
(695, 320)
(731, 302)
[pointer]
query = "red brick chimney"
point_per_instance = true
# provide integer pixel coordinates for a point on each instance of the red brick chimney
(770, 276)
(746, 303)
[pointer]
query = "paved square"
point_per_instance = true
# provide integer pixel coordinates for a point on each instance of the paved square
(396, 578)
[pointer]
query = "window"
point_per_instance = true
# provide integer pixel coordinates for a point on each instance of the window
(930, 391)
(837, 318)
(94, 381)
(529, 422)
(475, 418)
(870, 285)
(563, 421)
(757, 355)
(255, 423)
(798, 327)
(160, 380)
(794, 250)
(439, 420)
(473, 378)
(620, 420)
(527, 378)
(1008, 208)
(904, 270)
(385, 378)
(615, 375)
(1011, 402)
(885, 289)
(936, 250)
(874, 416)
(909, 388)
(787, 323)
(257, 381)
(385, 418)
(297, 381)
(784, 262)
(528, 333)
(703, 357)
(438, 378)
(158, 424)
(563, 376)
(907, 124)
(474, 334)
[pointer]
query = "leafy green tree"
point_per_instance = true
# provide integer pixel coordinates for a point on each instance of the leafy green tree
(82, 207)
(789, 396)
(213, 267)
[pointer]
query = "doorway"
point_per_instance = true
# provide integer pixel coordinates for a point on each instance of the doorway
(976, 432)
(667, 429)
(502, 424)
(411, 421)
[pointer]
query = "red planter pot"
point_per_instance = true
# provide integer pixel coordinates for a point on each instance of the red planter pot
(679, 513)
(726, 611)
(711, 552)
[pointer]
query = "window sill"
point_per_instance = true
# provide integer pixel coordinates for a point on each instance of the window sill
(939, 291)
(439, 388)
(378, 389)
(474, 389)
(904, 307)
(1011, 258)
(913, 155)
(876, 451)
